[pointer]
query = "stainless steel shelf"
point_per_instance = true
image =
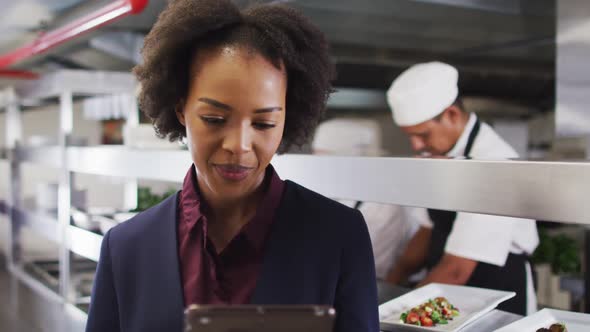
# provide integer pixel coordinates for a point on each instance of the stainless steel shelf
(78, 240)
(83, 242)
(78, 82)
(44, 224)
(44, 155)
(35, 284)
(61, 87)
(554, 191)
(163, 165)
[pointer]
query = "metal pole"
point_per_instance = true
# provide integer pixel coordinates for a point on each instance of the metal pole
(13, 137)
(131, 184)
(64, 193)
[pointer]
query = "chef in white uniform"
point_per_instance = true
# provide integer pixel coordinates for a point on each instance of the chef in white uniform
(388, 225)
(456, 247)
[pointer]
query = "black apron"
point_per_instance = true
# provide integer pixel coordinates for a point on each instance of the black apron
(510, 277)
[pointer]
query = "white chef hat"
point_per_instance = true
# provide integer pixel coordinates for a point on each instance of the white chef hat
(349, 137)
(422, 92)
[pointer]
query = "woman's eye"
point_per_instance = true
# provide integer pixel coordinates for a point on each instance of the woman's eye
(212, 120)
(263, 125)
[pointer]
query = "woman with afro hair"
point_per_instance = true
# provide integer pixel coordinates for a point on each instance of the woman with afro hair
(239, 87)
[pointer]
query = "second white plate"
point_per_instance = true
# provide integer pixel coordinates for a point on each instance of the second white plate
(574, 321)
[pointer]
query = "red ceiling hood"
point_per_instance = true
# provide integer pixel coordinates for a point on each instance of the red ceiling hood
(17, 74)
(111, 12)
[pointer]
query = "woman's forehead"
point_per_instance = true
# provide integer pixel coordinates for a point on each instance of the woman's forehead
(238, 79)
(229, 54)
(233, 65)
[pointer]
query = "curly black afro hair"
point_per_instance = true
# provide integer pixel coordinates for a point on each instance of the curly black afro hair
(278, 33)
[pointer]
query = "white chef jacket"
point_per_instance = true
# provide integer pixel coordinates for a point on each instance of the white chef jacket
(390, 230)
(471, 233)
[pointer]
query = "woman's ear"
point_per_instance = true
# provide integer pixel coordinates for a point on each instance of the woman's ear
(179, 110)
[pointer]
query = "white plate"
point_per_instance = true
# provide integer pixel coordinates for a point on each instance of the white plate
(472, 302)
(574, 321)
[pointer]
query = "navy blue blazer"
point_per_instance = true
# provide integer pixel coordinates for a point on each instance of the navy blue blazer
(318, 252)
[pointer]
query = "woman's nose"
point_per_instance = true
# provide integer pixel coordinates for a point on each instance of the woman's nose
(238, 140)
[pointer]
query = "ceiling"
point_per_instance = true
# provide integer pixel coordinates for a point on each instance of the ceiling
(504, 49)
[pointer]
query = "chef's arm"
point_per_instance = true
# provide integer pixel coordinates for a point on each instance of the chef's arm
(413, 258)
(451, 270)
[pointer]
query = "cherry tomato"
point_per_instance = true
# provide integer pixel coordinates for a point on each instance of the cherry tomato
(446, 312)
(426, 321)
(412, 318)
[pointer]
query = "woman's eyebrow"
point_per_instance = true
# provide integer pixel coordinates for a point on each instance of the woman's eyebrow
(225, 107)
(269, 109)
(215, 103)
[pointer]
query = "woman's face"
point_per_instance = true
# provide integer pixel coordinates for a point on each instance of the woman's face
(234, 117)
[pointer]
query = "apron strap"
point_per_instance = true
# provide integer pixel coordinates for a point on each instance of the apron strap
(471, 139)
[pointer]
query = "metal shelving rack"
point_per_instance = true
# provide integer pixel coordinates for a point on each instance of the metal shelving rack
(61, 86)
(552, 191)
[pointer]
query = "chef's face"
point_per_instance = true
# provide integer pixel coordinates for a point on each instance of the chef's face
(435, 137)
(234, 117)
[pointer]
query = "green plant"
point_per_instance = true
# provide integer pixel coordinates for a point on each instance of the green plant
(560, 251)
(146, 199)
(567, 257)
(545, 250)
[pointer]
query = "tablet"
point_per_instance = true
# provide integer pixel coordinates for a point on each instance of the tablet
(259, 318)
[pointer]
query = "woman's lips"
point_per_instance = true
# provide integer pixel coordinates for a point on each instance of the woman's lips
(233, 172)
